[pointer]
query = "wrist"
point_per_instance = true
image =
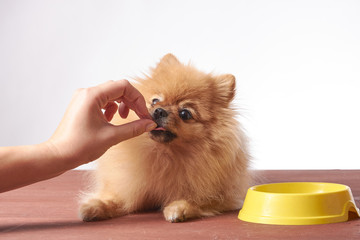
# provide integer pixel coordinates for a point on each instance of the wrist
(59, 161)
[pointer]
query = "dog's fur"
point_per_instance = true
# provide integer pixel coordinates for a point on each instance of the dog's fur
(189, 168)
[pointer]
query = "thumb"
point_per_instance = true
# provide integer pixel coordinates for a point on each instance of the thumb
(131, 129)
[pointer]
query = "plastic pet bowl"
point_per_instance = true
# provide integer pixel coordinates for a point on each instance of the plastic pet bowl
(298, 203)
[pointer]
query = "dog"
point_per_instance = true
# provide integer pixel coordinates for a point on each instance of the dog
(194, 164)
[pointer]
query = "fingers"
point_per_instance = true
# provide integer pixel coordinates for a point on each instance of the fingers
(123, 91)
(110, 110)
(123, 110)
(130, 130)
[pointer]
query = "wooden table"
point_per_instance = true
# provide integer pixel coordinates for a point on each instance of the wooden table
(48, 210)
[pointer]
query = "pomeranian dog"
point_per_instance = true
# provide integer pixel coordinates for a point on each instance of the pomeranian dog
(194, 164)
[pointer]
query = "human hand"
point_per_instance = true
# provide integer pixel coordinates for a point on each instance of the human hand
(84, 133)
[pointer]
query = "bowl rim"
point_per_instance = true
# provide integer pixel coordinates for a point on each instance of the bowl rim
(343, 187)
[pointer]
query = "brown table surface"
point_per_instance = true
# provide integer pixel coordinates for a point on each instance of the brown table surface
(48, 210)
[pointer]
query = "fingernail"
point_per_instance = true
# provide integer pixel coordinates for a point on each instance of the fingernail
(151, 126)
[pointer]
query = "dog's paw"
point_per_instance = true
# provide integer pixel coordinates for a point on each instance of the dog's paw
(180, 211)
(96, 210)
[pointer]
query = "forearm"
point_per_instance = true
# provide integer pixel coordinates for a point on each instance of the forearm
(24, 165)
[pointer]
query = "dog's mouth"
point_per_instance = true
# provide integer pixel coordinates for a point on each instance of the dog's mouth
(162, 135)
(159, 128)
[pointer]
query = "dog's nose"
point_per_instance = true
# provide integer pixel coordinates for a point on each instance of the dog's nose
(160, 113)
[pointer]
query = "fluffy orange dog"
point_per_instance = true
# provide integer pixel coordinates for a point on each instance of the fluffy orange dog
(194, 164)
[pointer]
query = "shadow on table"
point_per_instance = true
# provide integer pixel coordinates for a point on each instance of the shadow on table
(44, 225)
(39, 226)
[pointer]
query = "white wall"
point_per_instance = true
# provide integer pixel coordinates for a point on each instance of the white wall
(297, 65)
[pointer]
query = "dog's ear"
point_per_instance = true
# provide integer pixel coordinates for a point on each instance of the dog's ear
(226, 88)
(168, 60)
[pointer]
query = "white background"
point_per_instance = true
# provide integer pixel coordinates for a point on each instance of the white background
(297, 65)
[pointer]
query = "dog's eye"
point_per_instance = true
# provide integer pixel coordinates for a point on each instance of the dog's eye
(185, 114)
(155, 101)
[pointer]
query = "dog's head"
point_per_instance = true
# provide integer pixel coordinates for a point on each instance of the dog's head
(186, 104)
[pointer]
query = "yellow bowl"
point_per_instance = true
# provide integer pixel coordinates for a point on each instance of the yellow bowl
(298, 203)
